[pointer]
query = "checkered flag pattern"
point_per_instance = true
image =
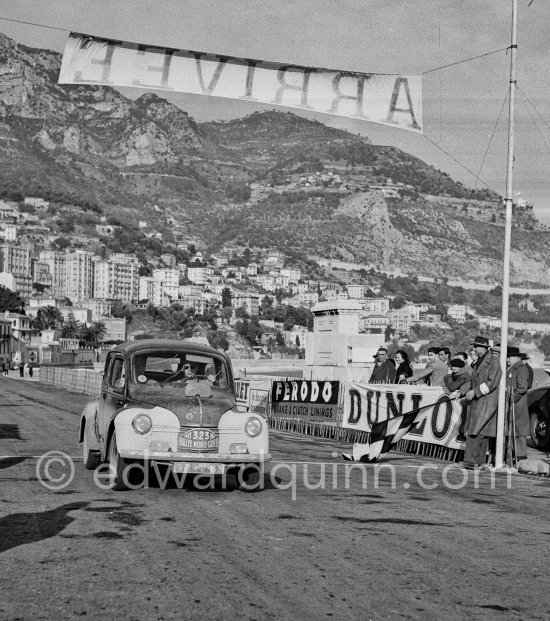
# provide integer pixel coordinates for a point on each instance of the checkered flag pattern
(387, 433)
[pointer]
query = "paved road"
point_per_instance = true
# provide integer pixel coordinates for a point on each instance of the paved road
(374, 543)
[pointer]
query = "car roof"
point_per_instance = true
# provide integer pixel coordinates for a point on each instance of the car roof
(144, 345)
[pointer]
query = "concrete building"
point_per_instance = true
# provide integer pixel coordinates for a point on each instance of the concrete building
(150, 290)
(58, 270)
(19, 283)
(197, 274)
(116, 281)
(356, 291)
(293, 274)
(99, 307)
(249, 300)
(20, 326)
(9, 232)
(15, 259)
(373, 323)
(41, 274)
(376, 305)
(400, 319)
(115, 328)
(80, 275)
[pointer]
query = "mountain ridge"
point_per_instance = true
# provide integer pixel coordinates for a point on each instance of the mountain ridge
(270, 178)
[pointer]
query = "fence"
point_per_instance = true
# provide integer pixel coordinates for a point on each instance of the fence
(86, 381)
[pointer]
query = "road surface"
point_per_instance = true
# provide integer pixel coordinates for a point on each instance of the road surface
(408, 539)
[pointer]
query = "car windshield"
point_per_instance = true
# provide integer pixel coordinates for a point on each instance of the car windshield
(188, 372)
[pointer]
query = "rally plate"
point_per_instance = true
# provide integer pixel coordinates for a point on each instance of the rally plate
(187, 468)
(198, 440)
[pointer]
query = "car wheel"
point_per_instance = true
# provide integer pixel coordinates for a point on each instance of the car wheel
(250, 477)
(117, 466)
(540, 430)
(91, 459)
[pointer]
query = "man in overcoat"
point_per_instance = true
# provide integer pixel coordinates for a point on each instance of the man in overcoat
(481, 422)
(384, 370)
(517, 385)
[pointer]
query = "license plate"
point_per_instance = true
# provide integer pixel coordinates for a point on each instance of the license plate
(186, 468)
(198, 440)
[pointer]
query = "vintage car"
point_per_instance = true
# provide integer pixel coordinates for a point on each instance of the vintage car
(538, 399)
(171, 403)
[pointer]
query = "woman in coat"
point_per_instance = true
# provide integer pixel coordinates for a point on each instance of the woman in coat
(404, 369)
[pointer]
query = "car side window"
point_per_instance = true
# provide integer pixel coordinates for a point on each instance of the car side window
(116, 375)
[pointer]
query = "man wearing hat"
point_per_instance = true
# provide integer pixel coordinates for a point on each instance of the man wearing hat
(529, 368)
(457, 382)
(384, 370)
(517, 385)
(481, 421)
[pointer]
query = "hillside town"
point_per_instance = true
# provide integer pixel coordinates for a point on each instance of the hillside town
(95, 291)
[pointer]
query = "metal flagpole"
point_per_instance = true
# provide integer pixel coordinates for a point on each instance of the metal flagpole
(499, 461)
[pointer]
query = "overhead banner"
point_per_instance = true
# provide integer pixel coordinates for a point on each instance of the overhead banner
(440, 420)
(394, 100)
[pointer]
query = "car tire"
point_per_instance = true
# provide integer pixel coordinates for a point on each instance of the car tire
(117, 466)
(90, 458)
(250, 477)
(539, 426)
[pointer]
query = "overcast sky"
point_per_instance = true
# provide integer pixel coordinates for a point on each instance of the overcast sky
(461, 104)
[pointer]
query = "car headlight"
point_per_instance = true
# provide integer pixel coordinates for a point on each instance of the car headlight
(253, 427)
(142, 423)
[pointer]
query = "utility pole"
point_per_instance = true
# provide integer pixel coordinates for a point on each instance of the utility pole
(501, 415)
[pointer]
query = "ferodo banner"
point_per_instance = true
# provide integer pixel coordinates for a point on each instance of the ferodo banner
(394, 100)
(306, 399)
(440, 420)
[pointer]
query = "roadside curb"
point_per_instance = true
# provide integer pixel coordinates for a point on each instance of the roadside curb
(534, 466)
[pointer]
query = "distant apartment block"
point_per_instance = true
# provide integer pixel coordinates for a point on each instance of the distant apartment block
(20, 283)
(99, 307)
(58, 270)
(292, 274)
(400, 319)
(41, 274)
(115, 328)
(9, 232)
(80, 275)
(116, 281)
(198, 275)
(356, 292)
(377, 305)
(15, 259)
(374, 323)
(249, 300)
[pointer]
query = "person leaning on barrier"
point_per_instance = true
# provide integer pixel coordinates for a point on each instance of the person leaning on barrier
(434, 372)
(384, 370)
(482, 398)
(457, 382)
(517, 385)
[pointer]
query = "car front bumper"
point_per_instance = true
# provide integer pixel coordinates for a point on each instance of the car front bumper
(170, 457)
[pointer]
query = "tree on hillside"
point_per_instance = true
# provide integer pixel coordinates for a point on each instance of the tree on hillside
(226, 297)
(72, 328)
(94, 333)
(9, 300)
(48, 317)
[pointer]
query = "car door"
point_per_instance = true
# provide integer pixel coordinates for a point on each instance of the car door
(113, 391)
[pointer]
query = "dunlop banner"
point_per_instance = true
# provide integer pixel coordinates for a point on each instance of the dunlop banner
(306, 399)
(394, 100)
(440, 423)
